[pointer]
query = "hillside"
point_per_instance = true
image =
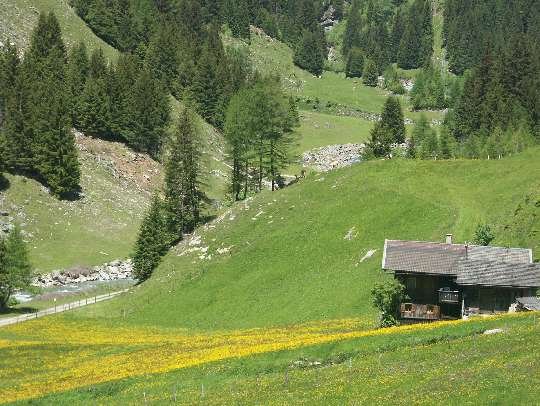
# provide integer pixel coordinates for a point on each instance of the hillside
(297, 255)
(102, 225)
(270, 299)
(18, 19)
(234, 291)
(332, 89)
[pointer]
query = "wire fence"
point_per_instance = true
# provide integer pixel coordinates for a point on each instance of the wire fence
(60, 308)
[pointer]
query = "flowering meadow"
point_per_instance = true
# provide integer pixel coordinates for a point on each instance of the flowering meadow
(56, 355)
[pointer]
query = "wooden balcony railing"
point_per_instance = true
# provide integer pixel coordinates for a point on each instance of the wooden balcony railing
(420, 312)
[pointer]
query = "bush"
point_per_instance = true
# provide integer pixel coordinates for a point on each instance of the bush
(483, 235)
(387, 297)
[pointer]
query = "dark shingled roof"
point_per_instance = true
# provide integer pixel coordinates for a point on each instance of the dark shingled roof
(444, 259)
(489, 273)
(422, 257)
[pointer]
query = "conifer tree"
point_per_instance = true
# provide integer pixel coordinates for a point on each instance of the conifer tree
(152, 243)
(76, 76)
(93, 112)
(237, 16)
(446, 144)
(421, 129)
(392, 118)
(47, 112)
(162, 55)
(15, 268)
(416, 43)
(429, 148)
(5, 292)
(355, 63)
(121, 86)
(351, 36)
(149, 111)
(182, 177)
(370, 75)
(14, 146)
(209, 83)
(259, 128)
(309, 55)
(389, 130)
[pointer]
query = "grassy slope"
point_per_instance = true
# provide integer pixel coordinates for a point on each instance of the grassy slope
(289, 261)
(272, 56)
(104, 225)
(317, 130)
(98, 228)
(18, 18)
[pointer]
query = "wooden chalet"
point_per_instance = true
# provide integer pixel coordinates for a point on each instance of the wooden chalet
(446, 280)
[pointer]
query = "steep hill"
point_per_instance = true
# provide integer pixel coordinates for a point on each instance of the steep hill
(313, 250)
(18, 18)
(102, 225)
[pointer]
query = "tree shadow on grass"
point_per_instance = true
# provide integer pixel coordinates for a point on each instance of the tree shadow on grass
(17, 311)
(69, 196)
(4, 183)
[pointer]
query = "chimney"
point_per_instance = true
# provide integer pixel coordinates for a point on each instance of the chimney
(449, 238)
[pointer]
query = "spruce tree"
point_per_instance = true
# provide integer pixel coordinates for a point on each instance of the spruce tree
(162, 55)
(149, 111)
(122, 79)
(94, 103)
(355, 63)
(182, 177)
(76, 76)
(208, 86)
(351, 36)
(446, 144)
(370, 75)
(152, 243)
(47, 112)
(237, 16)
(416, 45)
(15, 148)
(390, 129)
(309, 55)
(392, 119)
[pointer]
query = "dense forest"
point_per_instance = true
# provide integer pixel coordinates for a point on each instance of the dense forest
(489, 81)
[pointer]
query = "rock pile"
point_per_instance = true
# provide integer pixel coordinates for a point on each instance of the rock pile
(115, 270)
(331, 157)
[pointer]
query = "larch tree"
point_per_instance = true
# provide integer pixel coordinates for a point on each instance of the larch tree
(15, 267)
(260, 132)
